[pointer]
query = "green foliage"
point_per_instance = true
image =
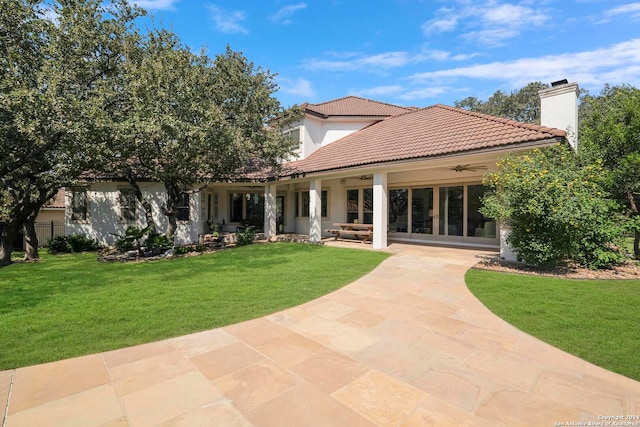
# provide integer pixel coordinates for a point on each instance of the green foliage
(181, 250)
(59, 83)
(522, 105)
(72, 243)
(610, 133)
(158, 242)
(246, 236)
(556, 209)
(132, 239)
(59, 245)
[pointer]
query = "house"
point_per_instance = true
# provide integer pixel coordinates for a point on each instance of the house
(415, 174)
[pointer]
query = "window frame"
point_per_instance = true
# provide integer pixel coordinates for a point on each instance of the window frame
(128, 211)
(302, 199)
(183, 209)
(76, 207)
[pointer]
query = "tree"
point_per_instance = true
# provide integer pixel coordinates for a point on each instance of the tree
(522, 105)
(610, 133)
(56, 90)
(188, 119)
(556, 208)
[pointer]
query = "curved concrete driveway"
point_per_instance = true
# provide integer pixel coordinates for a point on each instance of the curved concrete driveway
(406, 345)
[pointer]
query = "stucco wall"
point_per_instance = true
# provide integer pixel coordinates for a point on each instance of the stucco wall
(103, 213)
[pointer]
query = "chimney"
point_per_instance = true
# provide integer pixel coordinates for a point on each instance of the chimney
(559, 109)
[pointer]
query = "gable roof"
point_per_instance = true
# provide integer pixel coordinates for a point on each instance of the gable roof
(429, 132)
(354, 106)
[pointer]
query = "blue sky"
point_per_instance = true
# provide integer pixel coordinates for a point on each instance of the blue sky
(412, 52)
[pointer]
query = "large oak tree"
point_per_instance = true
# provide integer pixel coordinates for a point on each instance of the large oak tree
(57, 86)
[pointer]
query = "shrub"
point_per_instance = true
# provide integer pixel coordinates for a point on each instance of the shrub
(59, 244)
(132, 239)
(556, 209)
(181, 250)
(158, 242)
(72, 243)
(246, 236)
(82, 243)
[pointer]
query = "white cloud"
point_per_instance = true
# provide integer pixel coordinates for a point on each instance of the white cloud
(491, 37)
(157, 4)
(513, 15)
(299, 87)
(228, 22)
(282, 16)
(440, 25)
(631, 10)
(616, 64)
(493, 22)
(382, 61)
(443, 55)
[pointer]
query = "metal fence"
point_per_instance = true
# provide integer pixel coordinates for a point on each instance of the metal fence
(48, 230)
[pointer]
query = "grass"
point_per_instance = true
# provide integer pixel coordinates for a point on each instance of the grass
(596, 320)
(71, 305)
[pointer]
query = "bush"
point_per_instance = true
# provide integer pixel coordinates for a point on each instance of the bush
(132, 239)
(82, 243)
(59, 245)
(557, 209)
(158, 242)
(246, 236)
(72, 243)
(181, 250)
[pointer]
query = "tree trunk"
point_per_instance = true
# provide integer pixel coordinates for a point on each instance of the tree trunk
(31, 239)
(170, 210)
(636, 245)
(148, 212)
(8, 236)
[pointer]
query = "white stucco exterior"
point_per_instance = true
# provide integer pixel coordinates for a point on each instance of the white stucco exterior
(104, 221)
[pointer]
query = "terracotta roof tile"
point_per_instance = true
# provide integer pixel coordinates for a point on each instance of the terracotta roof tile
(57, 201)
(428, 132)
(355, 106)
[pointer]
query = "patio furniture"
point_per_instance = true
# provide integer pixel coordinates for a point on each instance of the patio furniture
(357, 231)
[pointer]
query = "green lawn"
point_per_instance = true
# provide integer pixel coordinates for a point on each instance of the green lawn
(596, 320)
(71, 305)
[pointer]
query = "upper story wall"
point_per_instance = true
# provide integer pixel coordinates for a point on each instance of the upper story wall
(316, 132)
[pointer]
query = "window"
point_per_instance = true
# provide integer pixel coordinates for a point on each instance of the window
(79, 204)
(302, 203)
(246, 207)
(451, 210)
(352, 205)
(399, 210)
(127, 204)
(293, 136)
(477, 224)
(183, 209)
(367, 206)
(422, 210)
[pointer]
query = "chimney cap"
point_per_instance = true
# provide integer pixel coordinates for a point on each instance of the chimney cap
(560, 82)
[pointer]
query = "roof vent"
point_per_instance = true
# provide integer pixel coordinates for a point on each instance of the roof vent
(560, 82)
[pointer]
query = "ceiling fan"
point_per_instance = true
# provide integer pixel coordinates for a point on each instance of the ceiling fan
(468, 167)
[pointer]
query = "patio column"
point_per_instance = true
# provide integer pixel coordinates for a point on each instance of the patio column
(380, 210)
(315, 211)
(270, 211)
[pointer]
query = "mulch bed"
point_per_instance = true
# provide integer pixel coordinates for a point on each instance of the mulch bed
(628, 270)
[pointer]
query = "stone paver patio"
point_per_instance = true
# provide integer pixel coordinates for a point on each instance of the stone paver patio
(406, 345)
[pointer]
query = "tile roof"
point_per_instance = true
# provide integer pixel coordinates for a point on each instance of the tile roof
(428, 132)
(57, 201)
(354, 106)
